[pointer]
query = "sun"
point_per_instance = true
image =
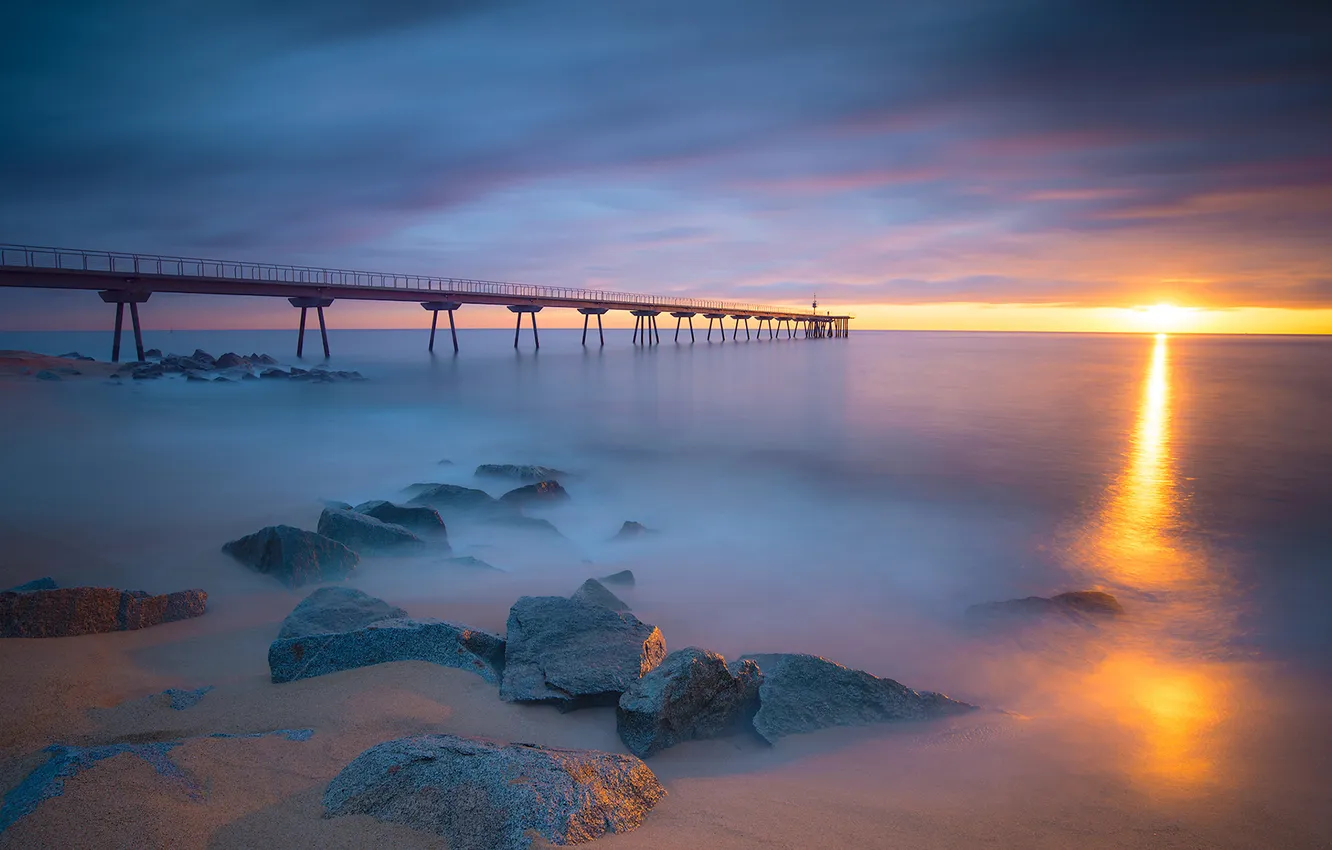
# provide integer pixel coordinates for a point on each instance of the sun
(1165, 318)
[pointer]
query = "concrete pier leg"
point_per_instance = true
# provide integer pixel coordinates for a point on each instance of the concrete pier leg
(691, 328)
(536, 337)
(453, 332)
(678, 320)
(656, 333)
(735, 331)
(585, 318)
(434, 320)
(600, 332)
(138, 334)
(300, 337)
(323, 330)
(115, 341)
(637, 321)
(518, 326)
(746, 327)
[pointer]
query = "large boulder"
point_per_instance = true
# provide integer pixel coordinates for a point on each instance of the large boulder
(451, 497)
(691, 695)
(363, 533)
(415, 517)
(1074, 606)
(801, 693)
(518, 472)
(631, 531)
(294, 556)
(203, 357)
(624, 578)
(62, 612)
(231, 360)
(596, 593)
(336, 609)
(480, 795)
(384, 641)
(542, 492)
(572, 654)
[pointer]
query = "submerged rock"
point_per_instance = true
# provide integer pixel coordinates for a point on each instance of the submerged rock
(274, 373)
(414, 517)
(538, 493)
(48, 375)
(474, 563)
(153, 354)
(1073, 607)
(574, 654)
(518, 472)
(385, 641)
(525, 523)
(594, 592)
(231, 360)
(631, 531)
(61, 612)
(690, 696)
(451, 497)
(44, 583)
(801, 693)
(480, 795)
(294, 556)
(364, 533)
(336, 609)
(203, 357)
(624, 578)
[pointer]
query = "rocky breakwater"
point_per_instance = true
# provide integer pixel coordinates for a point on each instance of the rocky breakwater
(202, 366)
(483, 795)
(62, 612)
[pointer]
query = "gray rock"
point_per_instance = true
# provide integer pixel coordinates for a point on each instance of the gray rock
(541, 492)
(446, 462)
(201, 356)
(195, 376)
(230, 360)
(690, 696)
(573, 654)
(1073, 607)
(415, 517)
(1090, 602)
(44, 583)
(334, 503)
(518, 472)
(364, 533)
(153, 354)
(624, 578)
(801, 693)
(294, 556)
(273, 373)
(74, 355)
(595, 593)
(385, 641)
(336, 609)
(48, 375)
(263, 359)
(451, 497)
(62, 612)
(525, 523)
(474, 563)
(631, 531)
(249, 376)
(480, 795)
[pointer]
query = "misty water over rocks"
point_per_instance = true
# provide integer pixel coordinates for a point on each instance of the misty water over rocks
(845, 498)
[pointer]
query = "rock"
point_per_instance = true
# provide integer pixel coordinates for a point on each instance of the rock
(223, 379)
(385, 641)
(153, 354)
(1073, 607)
(74, 355)
(624, 578)
(480, 795)
(61, 612)
(231, 360)
(263, 359)
(334, 503)
(801, 693)
(451, 497)
(44, 583)
(249, 376)
(364, 533)
(631, 531)
(475, 563)
(446, 462)
(531, 474)
(195, 376)
(415, 517)
(336, 609)
(573, 654)
(294, 556)
(541, 492)
(690, 696)
(143, 373)
(273, 373)
(527, 523)
(181, 699)
(201, 356)
(48, 375)
(595, 593)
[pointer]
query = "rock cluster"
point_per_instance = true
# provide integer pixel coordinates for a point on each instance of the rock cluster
(202, 366)
(481, 795)
(61, 612)
(294, 556)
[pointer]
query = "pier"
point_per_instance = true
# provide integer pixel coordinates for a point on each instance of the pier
(121, 279)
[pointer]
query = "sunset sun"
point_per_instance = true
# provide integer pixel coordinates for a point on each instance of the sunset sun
(1166, 318)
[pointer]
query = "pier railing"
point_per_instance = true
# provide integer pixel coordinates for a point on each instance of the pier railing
(26, 256)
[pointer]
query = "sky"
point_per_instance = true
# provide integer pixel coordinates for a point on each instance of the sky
(988, 164)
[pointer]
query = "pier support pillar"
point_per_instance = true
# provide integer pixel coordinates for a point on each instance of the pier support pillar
(690, 316)
(718, 318)
(435, 307)
(519, 310)
(589, 312)
(645, 326)
(736, 330)
(120, 298)
(305, 304)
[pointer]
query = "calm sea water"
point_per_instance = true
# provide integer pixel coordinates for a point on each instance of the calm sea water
(844, 497)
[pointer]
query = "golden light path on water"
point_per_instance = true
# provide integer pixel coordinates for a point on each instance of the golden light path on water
(1167, 695)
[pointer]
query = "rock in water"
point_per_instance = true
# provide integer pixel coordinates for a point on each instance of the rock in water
(540, 492)
(44, 583)
(518, 472)
(414, 517)
(1090, 602)
(1073, 606)
(363, 533)
(479, 795)
(384, 641)
(596, 593)
(624, 578)
(631, 531)
(801, 693)
(69, 611)
(691, 695)
(573, 654)
(230, 360)
(451, 497)
(336, 609)
(203, 357)
(294, 556)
